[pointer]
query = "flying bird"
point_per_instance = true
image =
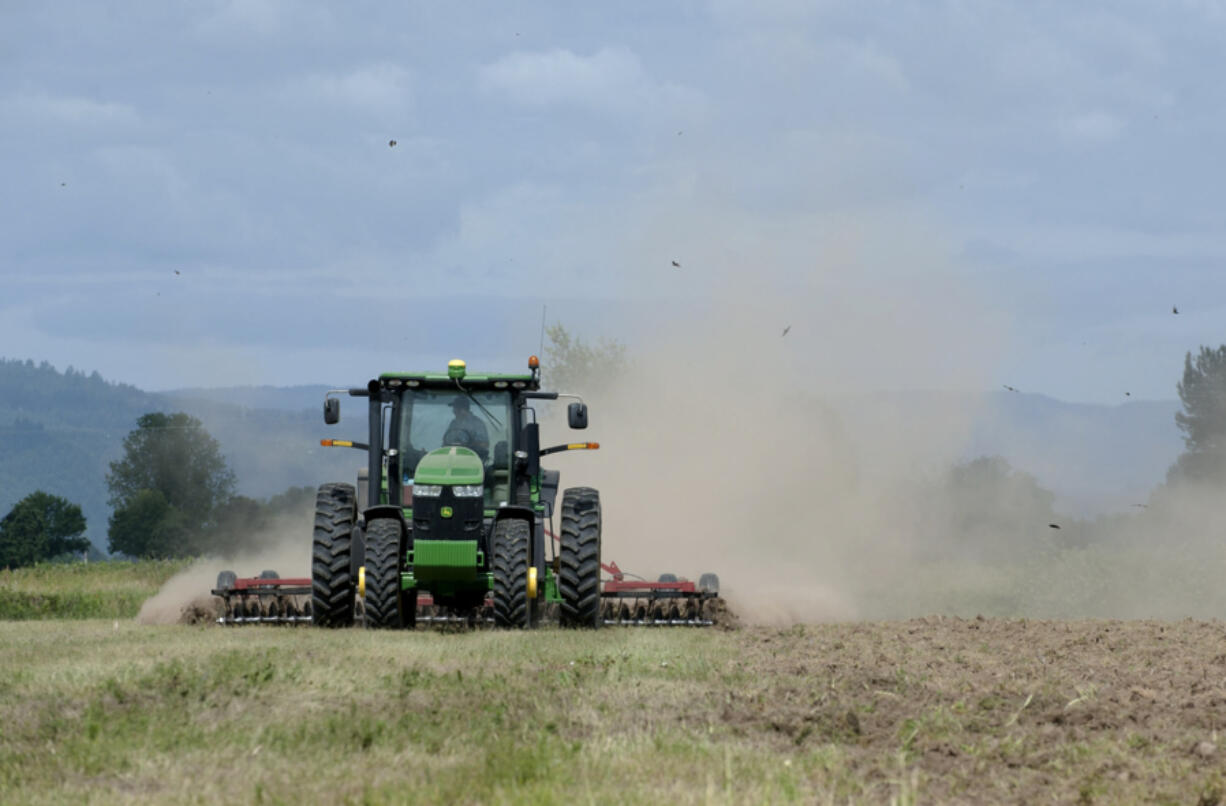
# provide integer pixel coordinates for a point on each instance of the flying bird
(1053, 526)
(785, 330)
(1174, 309)
(63, 184)
(177, 271)
(1010, 388)
(676, 264)
(391, 143)
(1128, 394)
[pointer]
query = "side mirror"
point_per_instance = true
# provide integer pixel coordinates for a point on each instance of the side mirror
(332, 410)
(532, 447)
(576, 414)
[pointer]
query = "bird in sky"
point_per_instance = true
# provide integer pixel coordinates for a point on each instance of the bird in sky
(785, 330)
(1010, 388)
(676, 264)
(391, 143)
(1174, 309)
(1053, 526)
(1128, 394)
(177, 271)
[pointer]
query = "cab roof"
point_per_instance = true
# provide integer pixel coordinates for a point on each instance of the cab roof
(491, 380)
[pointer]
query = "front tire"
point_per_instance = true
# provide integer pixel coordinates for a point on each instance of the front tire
(333, 586)
(384, 603)
(579, 566)
(511, 543)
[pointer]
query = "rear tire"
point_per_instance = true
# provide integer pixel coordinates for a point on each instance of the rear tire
(332, 584)
(384, 606)
(579, 566)
(512, 539)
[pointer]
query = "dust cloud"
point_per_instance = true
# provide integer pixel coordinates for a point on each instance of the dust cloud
(749, 439)
(735, 447)
(283, 546)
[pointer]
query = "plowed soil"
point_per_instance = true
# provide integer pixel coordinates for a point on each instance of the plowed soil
(991, 711)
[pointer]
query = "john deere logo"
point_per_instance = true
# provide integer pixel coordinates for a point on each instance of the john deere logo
(445, 512)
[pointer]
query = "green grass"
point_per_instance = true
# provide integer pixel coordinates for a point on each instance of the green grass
(124, 713)
(82, 590)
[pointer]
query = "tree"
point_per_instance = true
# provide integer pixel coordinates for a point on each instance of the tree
(41, 527)
(173, 456)
(148, 526)
(996, 509)
(1203, 419)
(572, 364)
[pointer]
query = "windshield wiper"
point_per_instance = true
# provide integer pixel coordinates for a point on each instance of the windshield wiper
(493, 420)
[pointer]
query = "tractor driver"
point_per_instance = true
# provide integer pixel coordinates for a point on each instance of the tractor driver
(466, 430)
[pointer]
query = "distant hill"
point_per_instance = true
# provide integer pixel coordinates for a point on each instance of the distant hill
(283, 398)
(59, 432)
(1095, 458)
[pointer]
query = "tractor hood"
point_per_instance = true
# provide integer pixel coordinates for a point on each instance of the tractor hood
(452, 465)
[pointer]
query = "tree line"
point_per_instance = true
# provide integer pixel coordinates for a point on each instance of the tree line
(172, 495)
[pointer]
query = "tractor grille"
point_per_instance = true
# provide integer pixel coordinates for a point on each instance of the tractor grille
(464, 524)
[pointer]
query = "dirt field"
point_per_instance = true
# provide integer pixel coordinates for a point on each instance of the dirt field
(921, 711)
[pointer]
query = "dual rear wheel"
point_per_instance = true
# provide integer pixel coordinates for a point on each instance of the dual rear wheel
(578, 576)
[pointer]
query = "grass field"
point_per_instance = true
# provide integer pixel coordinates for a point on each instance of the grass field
(82, 590)
(921, 711)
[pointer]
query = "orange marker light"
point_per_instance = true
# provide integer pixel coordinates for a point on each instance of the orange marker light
(534, 362)
(592, 446)
(327, 443)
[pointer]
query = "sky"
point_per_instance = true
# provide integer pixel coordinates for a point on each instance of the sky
(205, 194)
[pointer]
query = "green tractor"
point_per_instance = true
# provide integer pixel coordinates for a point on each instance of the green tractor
(449, 518)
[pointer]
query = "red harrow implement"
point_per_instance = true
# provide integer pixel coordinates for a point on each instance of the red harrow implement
(668, 602)
(266, 599)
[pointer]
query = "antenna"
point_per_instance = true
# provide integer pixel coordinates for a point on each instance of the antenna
(542, 347)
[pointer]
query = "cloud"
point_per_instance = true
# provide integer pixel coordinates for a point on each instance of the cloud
(248, 16)
(380, 87)
(1090, 127)
(611, 79)
(71, 110)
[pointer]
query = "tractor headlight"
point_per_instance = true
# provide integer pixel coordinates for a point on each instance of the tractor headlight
(468, 490)
(427, 490)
